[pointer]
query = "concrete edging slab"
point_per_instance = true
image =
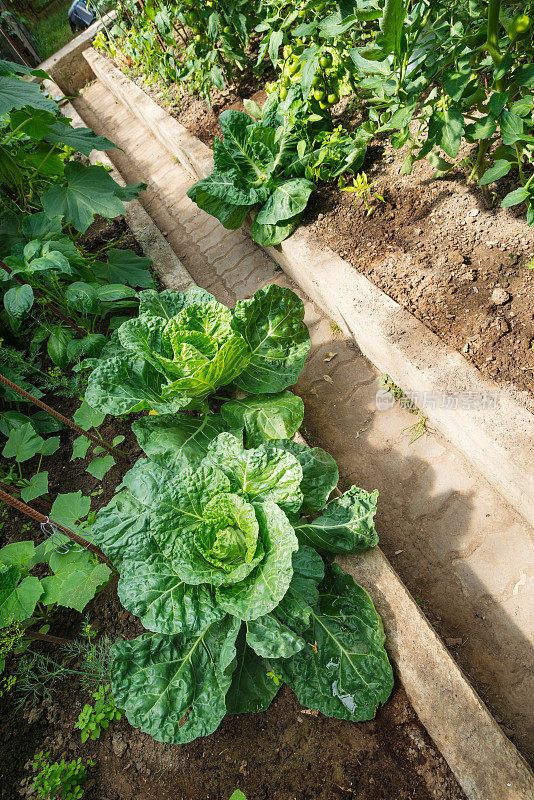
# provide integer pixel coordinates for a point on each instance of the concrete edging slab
(498, 441)
(484, 761)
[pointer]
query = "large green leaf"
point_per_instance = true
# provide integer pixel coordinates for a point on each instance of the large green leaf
(177, 441)
(18, 301)
(121, 385)
(84, 140)
(83, 297)
(23, 443)
(270, 638)
(17, 93)
(230, 215)
(265, 417)
(70, 508)
(261, 474)
(346, 525)
(174, 687)
(272, 324)
(17, 599)
(319, 472)
(344, 671)
(391, 26)
(288, 199)
(17, 553)
(124, 266)
(253, 684)
(242, 142)
(89, 190)
(295, 608)
(446, 129)
(169, 302)
(36, 487)
(73, 586)
(267, 584)
(120, 524)
(273, 235)
(150, 588)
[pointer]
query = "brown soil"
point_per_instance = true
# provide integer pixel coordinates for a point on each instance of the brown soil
(434, 248)
(433, 245)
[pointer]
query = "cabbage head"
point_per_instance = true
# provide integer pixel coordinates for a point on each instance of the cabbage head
(184, 346)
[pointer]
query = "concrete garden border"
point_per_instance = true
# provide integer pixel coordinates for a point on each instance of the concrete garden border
(484, 761)
(498, 441)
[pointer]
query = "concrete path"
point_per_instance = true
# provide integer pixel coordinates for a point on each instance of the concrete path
(464, 554)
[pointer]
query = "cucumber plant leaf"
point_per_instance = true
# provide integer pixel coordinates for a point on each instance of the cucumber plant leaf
(89, 190)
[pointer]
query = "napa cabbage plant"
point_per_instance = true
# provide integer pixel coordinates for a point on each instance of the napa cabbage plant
(257, 166)
(183, 346)
(217, 550)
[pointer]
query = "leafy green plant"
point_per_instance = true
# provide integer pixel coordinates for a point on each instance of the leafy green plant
(203, 46)
(216, 549)
(266, 166)
(74, 577)
(363, 190)
(95, 718)
(186, 345)
(34, 165)
(58, 779)
(434, 78)
(255, 167)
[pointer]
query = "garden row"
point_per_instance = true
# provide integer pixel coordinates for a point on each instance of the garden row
(426, 75)
(224, 535)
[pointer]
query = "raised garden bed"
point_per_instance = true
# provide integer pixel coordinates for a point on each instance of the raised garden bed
(433, 245)
(282, 708)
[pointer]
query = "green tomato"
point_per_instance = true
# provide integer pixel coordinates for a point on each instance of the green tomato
(227, 29)
(519, 26)
(322, 105)
(319, 94)
(285, 80)
(316, 81)
(325, 60)
(283, 92)
(302, 12)
(333, 99)
(198, 38)
(293, 67)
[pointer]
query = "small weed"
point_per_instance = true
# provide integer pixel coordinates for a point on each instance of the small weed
(418, 428)
(362, 190)
(94, 719)
(390, 385)
(59, 779)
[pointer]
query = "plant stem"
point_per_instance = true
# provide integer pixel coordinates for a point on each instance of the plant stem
(65, 420)
(492, 39)
(44, 637)
(42, 520)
